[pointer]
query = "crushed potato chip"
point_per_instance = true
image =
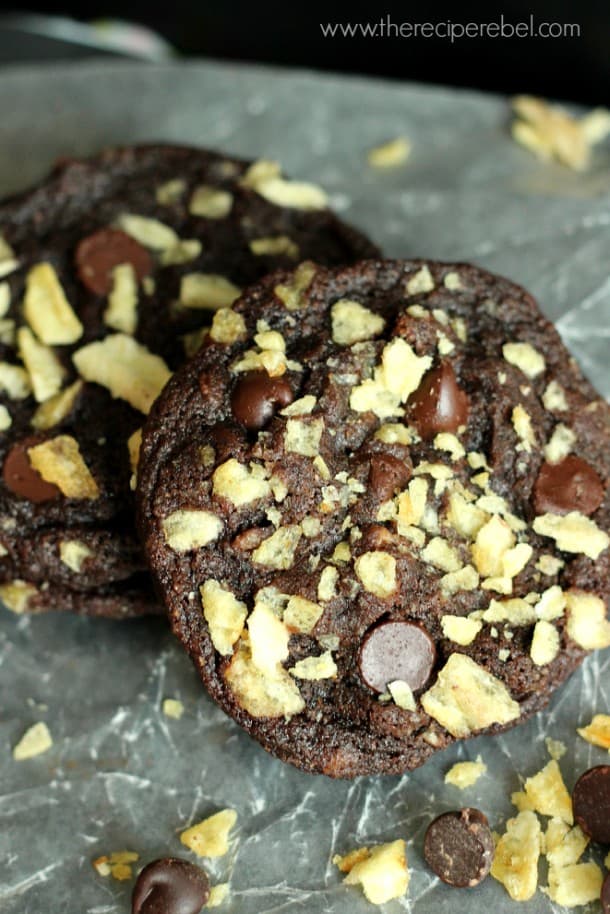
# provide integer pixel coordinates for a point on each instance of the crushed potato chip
(34, 742)
(210, 837)
(515, 862)
(575, 885)
(548, 794)
(382, 870)
(218, 894)
(391, 154)
(59, 461)
(551, 133)
(47, 310)
(225, 615)
(465, 774)
(466, 698)
(116, 864)
(172, 707)
(125, 368)
(598, 731)
(186, 530)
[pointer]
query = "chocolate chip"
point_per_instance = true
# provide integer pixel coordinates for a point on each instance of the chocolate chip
(98, 254)
(571, 485)
(21, 477)
(605, 895)
(459, 847)
(591, 802)
(396, 650)
(170, 886)
(438, 404)
(387, 475)
(256, 397)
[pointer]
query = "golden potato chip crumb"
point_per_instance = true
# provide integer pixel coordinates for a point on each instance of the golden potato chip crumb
(34, 742)
(564, 845)
(598, 731)
(172, 707)
(391, 154)
(465, 774)
(382, 870)
(517, 852)
(210, 837)
(574, 885)
(218, 894)
(551, 133)
(548, 793)
(116, 864)
(60, 462)
(555, 748)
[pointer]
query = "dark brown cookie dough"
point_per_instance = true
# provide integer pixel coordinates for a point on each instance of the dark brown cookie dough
(109, 270)
(339, 498)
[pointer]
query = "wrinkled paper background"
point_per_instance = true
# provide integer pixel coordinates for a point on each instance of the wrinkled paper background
(122, 775)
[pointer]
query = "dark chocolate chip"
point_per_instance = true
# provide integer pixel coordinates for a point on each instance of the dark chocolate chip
(605, 895)
(98, 254)
(438, 404)
(591, 802)
(386, 475)
(396, 650)
(257, 396)
(21, 477)
(170, 886)
(459, 847)
(571, 485)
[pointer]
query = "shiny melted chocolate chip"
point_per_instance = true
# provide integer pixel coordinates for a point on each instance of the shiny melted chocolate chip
(170, 886)
(387, 475)
(21, 478)
(396, 650)
(256, 397)
(591, 803)
(98, 254)
(439, 404)
(571, 485)
(459, 847)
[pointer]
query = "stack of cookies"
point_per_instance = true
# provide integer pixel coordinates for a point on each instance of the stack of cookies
(371, 495)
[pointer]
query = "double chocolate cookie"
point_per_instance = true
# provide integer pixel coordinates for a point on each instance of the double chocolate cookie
(376, 506)
(109, 271)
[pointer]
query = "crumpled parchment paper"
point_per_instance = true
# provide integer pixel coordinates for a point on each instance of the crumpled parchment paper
(120, 774)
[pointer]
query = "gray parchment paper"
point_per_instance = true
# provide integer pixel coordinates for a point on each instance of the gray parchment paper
(122, 775)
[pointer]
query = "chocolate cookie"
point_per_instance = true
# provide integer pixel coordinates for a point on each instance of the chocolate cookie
(375, 504)
(109, 270)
